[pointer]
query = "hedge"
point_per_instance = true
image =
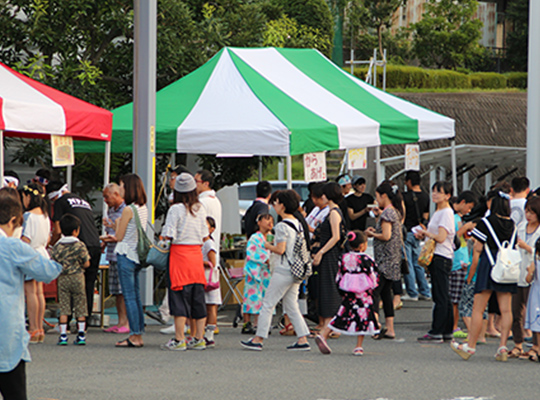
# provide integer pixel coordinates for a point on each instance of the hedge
(405, 77)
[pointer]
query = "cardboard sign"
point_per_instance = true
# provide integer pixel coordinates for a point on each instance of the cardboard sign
(357, 159)
(315, 167)
(412, 157)
(62, 151)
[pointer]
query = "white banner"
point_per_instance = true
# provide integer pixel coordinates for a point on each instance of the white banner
(357, 159)
(315, 167)
(412, 157)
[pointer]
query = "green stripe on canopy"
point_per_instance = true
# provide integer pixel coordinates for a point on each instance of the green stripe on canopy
(395, 127)
(309, 132)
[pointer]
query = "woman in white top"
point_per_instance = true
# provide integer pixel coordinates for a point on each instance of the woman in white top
(441, 228)
(132, 190)
(36, 232)
(186, 227)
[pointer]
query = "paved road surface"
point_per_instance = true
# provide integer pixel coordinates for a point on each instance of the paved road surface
(388, 370)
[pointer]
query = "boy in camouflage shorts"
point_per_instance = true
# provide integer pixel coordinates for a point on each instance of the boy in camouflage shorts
(73, 255)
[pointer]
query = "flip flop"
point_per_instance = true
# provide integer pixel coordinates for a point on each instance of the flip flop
(128, 343)
(112, 329)
(380, 335)
(122, 329)
(386, 336)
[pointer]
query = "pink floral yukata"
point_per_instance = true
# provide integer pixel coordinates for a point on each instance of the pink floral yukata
(257, 274)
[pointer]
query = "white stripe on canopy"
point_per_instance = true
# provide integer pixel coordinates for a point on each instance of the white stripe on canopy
(228, 107)
(270, 64)
(20, 101)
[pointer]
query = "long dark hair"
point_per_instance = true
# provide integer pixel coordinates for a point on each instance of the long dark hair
(37, 197)
(134, 192)
(390, 189)
(189, 199)
(500, 202)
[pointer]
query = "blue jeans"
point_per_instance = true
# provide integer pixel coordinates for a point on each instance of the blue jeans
(128, 273)
(416, 273)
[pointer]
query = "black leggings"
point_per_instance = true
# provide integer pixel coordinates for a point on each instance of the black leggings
(384, 292)
(13, 383)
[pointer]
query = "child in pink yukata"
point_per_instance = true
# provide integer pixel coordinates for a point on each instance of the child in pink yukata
(356, 280)
(257, 273)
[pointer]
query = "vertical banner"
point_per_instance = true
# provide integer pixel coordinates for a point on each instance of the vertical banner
(315, 167)
(357, 159)
(62, 151)
(412, 157)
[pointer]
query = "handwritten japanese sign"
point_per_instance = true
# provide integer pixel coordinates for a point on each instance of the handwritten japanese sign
(314, 167)
(357, 159)
(412, 157)
(62, 151)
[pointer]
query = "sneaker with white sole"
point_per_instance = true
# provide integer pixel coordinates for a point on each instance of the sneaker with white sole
(248, 344)
(62, 340)
(427, 338)
(322, 345)
(406, 297)
(210, 344)
(196, 344)
(170, 330)
(80, 340)
(174, 345)
(299, 347)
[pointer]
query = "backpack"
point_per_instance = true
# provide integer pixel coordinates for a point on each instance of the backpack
(506, 267)
(144, 244)
(301, 267)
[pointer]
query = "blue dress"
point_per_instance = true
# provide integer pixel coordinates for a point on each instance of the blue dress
(532, 316)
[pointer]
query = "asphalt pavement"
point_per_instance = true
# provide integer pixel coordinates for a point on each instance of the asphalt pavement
(400, 369)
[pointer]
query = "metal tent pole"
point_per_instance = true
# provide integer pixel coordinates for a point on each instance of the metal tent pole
(454, 167)
(1, 158)
(289, 172)
(106, 176)
(533, 96)
(69, 177)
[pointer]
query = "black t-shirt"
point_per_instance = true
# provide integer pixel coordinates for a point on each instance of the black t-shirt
(250, 218)
(503, 227)
(358, 203)
(411, 217)
(73, 204)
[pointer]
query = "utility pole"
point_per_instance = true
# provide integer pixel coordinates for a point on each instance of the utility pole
(533, 96)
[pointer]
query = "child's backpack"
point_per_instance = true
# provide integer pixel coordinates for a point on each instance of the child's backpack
(301, 267)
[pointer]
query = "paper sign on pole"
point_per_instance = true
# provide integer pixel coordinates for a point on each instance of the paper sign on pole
(62, 151)
(412, 157)
(357, 159)
(315, 167)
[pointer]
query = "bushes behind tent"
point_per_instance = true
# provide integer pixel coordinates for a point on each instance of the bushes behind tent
(407, 77)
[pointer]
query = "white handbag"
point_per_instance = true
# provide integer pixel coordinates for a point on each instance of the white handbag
(506, 267)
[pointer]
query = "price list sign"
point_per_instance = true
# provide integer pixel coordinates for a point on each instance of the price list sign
(315, 167)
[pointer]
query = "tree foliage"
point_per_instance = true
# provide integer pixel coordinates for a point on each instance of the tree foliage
(447, 35)
(518, 39)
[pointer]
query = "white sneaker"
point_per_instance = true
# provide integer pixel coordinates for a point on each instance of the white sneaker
(168, 330)
(406, 297)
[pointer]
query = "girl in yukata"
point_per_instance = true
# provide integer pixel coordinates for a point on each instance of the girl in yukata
(356, 280)
(256, 272)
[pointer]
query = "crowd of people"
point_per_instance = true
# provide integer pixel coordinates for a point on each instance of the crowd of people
(56, 236)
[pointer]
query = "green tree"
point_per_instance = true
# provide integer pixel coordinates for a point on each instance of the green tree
(447, 35)
(518, 39)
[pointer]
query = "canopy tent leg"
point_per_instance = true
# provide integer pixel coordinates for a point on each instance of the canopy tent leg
(454, 167)
(533, 96)
(260, 168)
(69, 177)
(106, 177)
(1, 158)
(432, 180)
(280, 172)
(488, 180)
(465, 184)
(289, 172)
(378, 169)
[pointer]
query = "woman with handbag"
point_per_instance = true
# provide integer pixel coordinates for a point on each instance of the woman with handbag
(186, 227)
(128, 263)
(441, 229)
(387, 244)
(498, 224)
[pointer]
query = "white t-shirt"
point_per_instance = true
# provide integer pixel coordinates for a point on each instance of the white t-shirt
(37, 228)
(213, 209)
(445, 219)
(517, 210)
(184, 227)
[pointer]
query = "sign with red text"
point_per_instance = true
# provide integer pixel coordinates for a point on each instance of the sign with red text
(357, 159)
(62, 151)
(412, 157)
(315, 167)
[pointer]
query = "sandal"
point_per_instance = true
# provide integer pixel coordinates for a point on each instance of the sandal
(516, 352)
(334, 335)
(533, 355)
(463, 350)
(358, 351)
(287, 331)
(502, 354)
(34, 337)
(128, 343)
(380, 335)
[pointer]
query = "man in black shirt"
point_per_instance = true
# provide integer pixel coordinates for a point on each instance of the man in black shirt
(357, 204)
(65, 202)
(416, 213)
(259, 206)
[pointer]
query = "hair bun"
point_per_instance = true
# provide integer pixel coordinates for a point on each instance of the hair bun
(351, 236)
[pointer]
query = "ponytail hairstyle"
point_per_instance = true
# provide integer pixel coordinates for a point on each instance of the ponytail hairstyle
(500, 202)
(390, 189)
(356, 238)
(37, 197)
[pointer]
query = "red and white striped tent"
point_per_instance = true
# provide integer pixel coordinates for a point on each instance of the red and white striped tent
(34, 110)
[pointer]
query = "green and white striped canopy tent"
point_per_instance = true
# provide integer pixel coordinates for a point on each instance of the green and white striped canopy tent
(275, 102)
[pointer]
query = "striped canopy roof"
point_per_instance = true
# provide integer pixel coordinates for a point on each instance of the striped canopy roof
(276, 102)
